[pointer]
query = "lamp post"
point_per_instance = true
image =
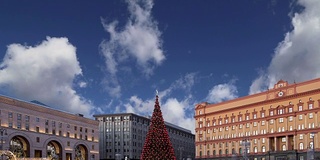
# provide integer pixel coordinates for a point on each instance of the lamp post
(246, 144)
(180, 152)
(3, 132)
(312, 135)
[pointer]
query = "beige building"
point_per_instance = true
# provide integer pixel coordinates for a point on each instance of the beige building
(34, 130)
(280, 123)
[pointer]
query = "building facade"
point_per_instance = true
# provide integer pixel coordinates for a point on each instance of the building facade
(123, 135)
(31, 130)
(280, 123)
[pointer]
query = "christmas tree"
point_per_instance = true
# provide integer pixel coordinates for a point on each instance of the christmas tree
(157, 145)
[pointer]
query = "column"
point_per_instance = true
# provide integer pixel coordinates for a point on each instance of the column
(275, 144)
(287, 146)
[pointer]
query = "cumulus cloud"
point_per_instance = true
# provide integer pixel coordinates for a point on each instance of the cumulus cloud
(222, 92)
(45, 72)
(174, 111)
(139, 40)
(297, 57)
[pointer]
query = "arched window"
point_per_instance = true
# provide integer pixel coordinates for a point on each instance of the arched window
(227, 151)
(220, 152)
(263, 148)
(311, 145)
(208, 153)
(301, 146)
(255, 149)
(240, 150)
(214, 152)
(284, 148)
(233, 151)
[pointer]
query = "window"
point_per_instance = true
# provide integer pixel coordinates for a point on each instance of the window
(10, 115)
(271, 113)
(262, 114)
(263, 148)
(18, 125)
(37, 129)
(38, 139)
(300, 108)
(290, 128)
(271, 121)
(37, 119)
(311, 145)
(263, 123)
(18, 116)
(240, 126)
(240, 119)
(310, 115)
(301, 136)
(255, 149)
(27, 118)
(300, 117)
(301, 146)
(284, 148)
(283, 139)
(27, 126)
(290, 110)
(290, 119)
(248, 125)
(226, 121)
(280, 111)
(247, 117)
(310, 106)
(255, 124)
(255, 116)
(263, 140)
(280, 120)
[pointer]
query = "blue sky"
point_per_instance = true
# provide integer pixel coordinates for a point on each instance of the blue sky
(111, 56)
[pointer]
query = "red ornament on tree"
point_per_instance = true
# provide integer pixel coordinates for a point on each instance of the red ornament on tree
(157, 144)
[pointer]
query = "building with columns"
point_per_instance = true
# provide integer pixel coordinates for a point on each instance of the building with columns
(33, 130)
(280, 123)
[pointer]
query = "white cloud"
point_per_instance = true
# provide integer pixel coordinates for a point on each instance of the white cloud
(173, 110)
(138, 40)
(82, 84)
(222, 92)
(45, 73)
(297, 57)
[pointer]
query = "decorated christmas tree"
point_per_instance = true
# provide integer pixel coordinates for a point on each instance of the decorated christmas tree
(157, 145)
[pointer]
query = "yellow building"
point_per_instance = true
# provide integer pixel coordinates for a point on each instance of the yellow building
(280, 123)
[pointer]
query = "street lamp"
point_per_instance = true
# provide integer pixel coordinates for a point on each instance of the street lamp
(180, 152)
(3, 132)
(246, 145)
(312, 134)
